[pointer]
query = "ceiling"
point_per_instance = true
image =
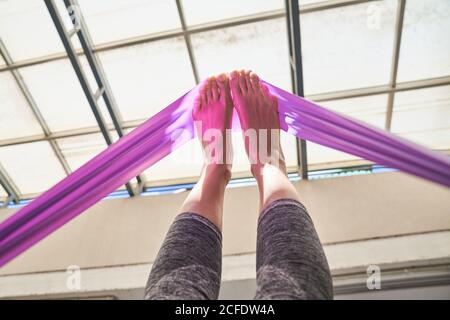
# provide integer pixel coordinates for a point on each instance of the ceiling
(378, 61)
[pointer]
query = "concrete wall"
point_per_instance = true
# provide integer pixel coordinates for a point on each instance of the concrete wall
(130, 231)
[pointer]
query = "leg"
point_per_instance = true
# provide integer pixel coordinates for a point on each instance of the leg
(290, 260)
(188, 265)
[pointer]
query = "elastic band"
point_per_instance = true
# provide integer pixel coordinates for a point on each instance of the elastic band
(171, 128)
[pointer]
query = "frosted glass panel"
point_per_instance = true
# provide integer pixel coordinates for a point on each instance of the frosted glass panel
(27, 29)
(184, 163)
(59, 96)
(114, 20)
(32, 166)
(371, 109)
(241, 163)
(289, 145)
(327, 157)
(261, 47)
(16, 117)
(348, 47)
(78, 150)
(146, 78)
(202, 11)
(425, 47)
(424, 116)
(3, 193)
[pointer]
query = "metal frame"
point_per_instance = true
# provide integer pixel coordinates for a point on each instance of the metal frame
(103, 87)
(187, 39)
(8, 184)
(374, 90)
(296, 67)
(395, 59)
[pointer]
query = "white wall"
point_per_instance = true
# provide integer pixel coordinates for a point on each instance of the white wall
(345, 210)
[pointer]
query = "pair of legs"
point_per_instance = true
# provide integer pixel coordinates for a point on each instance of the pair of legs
(290, 259)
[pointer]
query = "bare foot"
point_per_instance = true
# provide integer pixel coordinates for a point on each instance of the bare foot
(258, 114)
(212, 113)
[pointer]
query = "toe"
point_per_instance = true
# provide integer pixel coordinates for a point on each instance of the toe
(254, 81)
(242, 83)
(274, 103)
(197, 106)
(265, 90)
(204, 101)
(273, 100)
(214, 89)
(224, 86)
(234, 82)
(198, 102)
(208, 92)
(247, 80)
(222, 81)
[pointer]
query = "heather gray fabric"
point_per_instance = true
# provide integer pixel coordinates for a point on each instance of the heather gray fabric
(189, 262)
(289, 257)
(290, 261)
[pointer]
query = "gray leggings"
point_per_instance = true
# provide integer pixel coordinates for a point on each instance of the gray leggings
(290, 261)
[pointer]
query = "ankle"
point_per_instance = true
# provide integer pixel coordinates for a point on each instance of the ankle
(219, 171)
(258, 170)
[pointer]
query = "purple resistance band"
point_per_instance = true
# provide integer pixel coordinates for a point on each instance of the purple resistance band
(171, 128)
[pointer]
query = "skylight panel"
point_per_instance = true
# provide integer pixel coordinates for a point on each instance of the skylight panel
(348, 47)
(146, 78)
(32, 166)
(205, 11)
(16, 117)
(58, 95)
(423, 116)
(117, 19)
(425, 46)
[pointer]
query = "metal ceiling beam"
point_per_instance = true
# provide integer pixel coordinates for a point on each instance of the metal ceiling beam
(8, 184)
(345, 94)
(34, 108)
(296, 66)
(395, 59)
(187, 39)
(73, 57)
(104, 89)
(264, 16)
(385, 89)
